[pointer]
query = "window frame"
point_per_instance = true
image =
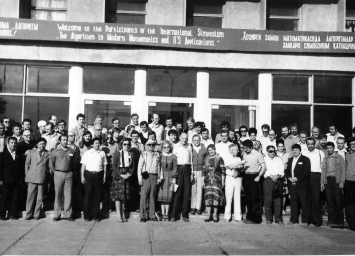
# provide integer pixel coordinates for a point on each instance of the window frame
(190, 4)
(349, 18)
(49, 9)
(132, 13)
(311, 102)
(277, 17)
(25, 92)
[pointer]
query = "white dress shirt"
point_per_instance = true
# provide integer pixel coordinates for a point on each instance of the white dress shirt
(228, 160)
(222, 149)
(94, 160)
(183, 154)
(316, 156)
(274, 166)
(294, 161)
(207, 142)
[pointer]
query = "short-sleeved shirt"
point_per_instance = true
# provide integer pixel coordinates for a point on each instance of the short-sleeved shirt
(254, 160)
(94, 160)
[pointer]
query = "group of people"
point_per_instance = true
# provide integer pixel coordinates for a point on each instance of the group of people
(169, 172)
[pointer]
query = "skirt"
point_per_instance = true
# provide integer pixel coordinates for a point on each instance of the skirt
(165, 194)
(120, 189)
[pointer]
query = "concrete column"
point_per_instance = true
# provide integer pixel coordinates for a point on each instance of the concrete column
(202, 112)
(140, 88)
(75, 91)
(265, 98)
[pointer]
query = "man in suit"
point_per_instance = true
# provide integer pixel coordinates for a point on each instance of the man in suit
(297, 173)
(11, 178)
(199, 152)
(36, 169)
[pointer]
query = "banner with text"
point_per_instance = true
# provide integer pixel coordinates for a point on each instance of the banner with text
(236, 40)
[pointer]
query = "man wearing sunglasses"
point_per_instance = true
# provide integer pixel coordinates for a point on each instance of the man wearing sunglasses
(244, 132)
(149, 169)
(272, 185)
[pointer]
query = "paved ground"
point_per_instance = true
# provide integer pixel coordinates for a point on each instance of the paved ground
(196, 237)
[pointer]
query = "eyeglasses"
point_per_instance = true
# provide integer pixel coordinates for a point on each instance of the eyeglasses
(6, 121)
(271, 151)
(243, 130)
(125, 144)
(26, 135)
(150, 145)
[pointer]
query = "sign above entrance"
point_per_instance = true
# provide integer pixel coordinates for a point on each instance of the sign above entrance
(199, 38)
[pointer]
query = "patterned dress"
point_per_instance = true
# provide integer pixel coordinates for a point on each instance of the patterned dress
(214, 173)
(121, 188)
(169, 169)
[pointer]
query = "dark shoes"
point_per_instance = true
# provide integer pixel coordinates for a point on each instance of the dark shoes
(216, 220)
(143, 220)
(249, 222)
(56, 219)
(97, 220)
(3, 218)
(153, 219)
(185, 219)
(87, 220)
(209, 219)
(199, 212)
(12, 217)
(71, 219)
(280, 223)
(28, 218)
(268, 222)
(172, 219)
(193, 211)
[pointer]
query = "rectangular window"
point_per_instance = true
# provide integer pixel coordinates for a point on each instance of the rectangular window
(127, 11)
(171, 82)
(11, 106)
(235, 115)
(290, 88)
(205, 14)
(47, 80)
(40, 108)
(11, 78)
(350, 16)
(179, 112)
(284, 114)
(332, 89)
(282, 16)
(49, 10)
(109, 80)
(108, 110)
(339, 115)
(233, 85)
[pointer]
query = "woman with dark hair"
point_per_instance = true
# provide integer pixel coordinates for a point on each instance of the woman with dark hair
(213, 182)
(129, 130)
(256, 144)
(122, 168)
(224, 125)
(167, 177)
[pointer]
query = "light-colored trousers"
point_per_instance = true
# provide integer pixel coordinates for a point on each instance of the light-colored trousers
(196, 191)
(233, 189)
(63, 183)
(34, 200)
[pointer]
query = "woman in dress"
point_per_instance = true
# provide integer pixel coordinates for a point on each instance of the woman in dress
(213, 182)
(167, 178)
(122, 169)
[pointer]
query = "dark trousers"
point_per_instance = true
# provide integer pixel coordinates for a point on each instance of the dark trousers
(34, 200)
(314, 201)
(148, 195)
(93, 187)
(335, 201)
(9, 192)
(106, 195)
(273, 194)
(78, 195)
(298, 195)
(181, 197)
(349, 194)
(252, 198)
